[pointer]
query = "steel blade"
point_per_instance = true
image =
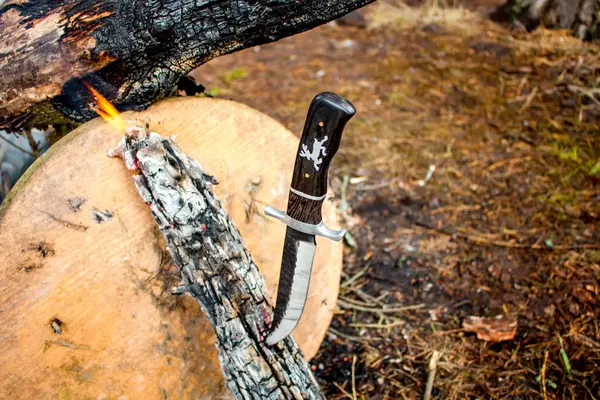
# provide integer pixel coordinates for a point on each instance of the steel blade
(294, 279)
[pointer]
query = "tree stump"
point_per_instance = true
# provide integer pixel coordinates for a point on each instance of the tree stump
(85, 301)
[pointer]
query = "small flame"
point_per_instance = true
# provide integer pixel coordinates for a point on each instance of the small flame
(107, 111)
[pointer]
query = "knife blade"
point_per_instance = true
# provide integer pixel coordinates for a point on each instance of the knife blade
(325, 122)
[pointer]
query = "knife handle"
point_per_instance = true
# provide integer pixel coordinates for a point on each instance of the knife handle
(327, 116)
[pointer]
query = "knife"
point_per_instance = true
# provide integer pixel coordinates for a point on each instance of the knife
(327, 116)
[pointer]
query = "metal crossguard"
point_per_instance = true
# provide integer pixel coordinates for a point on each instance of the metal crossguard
(310, 229)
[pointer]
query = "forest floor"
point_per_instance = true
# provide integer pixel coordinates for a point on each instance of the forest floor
(469, 180)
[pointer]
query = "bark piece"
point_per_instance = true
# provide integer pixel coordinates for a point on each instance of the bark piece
(495, 329)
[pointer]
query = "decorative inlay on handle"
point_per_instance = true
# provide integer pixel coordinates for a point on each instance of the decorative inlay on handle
(315, 154)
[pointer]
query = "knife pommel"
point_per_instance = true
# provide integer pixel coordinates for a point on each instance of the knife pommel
(327, 117)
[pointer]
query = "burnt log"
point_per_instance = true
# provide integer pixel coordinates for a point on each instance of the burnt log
(133, 52)
(578, 16)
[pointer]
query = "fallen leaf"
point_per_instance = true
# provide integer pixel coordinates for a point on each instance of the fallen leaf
(491, 329)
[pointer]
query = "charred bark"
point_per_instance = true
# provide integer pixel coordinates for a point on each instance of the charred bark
(133, 52)
(216, 269)
(578, 16)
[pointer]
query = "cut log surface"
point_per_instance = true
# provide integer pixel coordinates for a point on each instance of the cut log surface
(85, 279)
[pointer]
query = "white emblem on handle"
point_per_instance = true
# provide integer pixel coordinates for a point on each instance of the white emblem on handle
(315, 154)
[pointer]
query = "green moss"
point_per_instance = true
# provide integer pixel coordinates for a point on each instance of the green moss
(44, 114)
(570, 154)
(581, 155)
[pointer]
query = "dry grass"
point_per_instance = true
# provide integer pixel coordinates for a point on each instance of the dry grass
(398, 15)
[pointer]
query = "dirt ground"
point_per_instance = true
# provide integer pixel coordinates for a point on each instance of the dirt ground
(469, 180)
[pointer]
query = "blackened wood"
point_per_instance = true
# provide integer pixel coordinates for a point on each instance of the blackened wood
(216, 269)
(132, 51)
(579, 16)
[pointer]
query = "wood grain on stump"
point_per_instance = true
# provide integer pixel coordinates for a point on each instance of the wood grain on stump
(81, 255)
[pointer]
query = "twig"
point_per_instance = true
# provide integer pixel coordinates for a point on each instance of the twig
(347, 305)
(586, 341)
(448, 332)
(529, 100)
(433, 362)
(349, 337)
(590, 93)
(357, 302)
(353, 377)
(355, 277)
(543, 374)
(509, 161)
(337, 385)
(430, 172)
(366, 297)
(380, 326)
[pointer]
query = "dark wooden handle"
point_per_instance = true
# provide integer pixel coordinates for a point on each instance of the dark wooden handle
(327, 116)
